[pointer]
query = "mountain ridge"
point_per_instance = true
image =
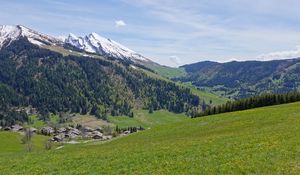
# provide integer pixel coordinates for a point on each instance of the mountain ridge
(9, 33)
(244, 79)
(95, 43)
(91, 43)
(52, 82)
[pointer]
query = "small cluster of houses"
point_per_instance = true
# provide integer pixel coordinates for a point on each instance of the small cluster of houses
(16, 128)
(67, 133)
(70, 133)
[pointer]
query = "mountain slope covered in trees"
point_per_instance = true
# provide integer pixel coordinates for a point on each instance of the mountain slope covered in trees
(244, 79)
(252, 102)
(51, 82)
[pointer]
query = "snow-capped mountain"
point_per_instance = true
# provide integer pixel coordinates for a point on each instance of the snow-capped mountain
(95, 43)
(92, 43)
(9, 34)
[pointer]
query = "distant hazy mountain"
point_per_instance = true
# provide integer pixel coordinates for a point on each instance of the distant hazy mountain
(243, 79)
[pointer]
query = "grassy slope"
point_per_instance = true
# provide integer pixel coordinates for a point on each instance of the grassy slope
(207, 96)
(168, 72)
(11, 143)
(203, 95)
(146, 120)
(37, 123)
(89, 120)
(246, 142)
(141, 118)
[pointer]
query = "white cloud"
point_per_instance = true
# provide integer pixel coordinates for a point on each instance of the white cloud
(120, 23)
(281, 54)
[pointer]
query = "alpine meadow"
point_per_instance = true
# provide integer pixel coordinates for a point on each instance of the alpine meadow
(196, 87)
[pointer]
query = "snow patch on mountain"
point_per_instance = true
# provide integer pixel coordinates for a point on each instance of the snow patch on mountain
(95, 43)
(92, 43)
(35, 42)
(9, 34)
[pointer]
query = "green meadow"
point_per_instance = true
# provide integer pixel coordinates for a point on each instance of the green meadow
(206, 96)
(10, 143)
(145, 119)
(202, 94)
(258, 141)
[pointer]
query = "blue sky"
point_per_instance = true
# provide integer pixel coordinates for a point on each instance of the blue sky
(172, 32)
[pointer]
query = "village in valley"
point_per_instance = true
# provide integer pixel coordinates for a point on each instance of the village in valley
(71, 134)
(66, 132)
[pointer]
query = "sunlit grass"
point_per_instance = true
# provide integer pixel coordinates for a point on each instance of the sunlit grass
(145, 119)
(257, 141)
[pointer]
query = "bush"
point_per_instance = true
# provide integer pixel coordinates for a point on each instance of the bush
(48, 145)
(107, 130)
(26, 139)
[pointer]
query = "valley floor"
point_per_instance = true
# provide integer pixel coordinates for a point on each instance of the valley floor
(257, 141)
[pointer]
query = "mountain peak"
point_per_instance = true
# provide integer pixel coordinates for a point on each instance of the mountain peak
(10, 33)
(72, 36)
(95, 43)
(93, 34)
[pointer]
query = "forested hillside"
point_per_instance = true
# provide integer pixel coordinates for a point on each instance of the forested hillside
(252, 102)
(51, 82)
(244, 79)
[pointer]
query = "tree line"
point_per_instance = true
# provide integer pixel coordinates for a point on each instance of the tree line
(252, 102)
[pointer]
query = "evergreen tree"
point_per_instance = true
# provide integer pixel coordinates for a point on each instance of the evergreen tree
(252, 102)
